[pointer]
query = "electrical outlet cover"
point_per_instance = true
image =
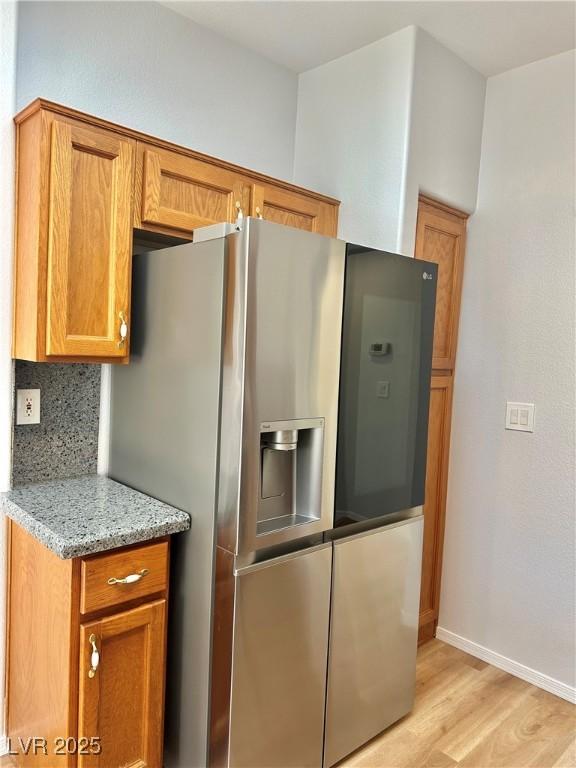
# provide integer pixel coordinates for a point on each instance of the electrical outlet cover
(28, 406)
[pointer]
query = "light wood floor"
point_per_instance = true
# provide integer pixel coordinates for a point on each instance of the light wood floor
(470, 714)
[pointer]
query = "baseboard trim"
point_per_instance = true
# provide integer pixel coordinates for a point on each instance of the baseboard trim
(538, 679)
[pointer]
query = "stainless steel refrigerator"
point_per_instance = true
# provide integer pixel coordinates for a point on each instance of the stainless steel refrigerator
(294, 597)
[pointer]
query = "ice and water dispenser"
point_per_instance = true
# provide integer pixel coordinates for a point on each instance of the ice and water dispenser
(291, 454)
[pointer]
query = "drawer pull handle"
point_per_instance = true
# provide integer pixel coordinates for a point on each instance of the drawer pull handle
(123, 329)
(94, 658)
(130, 579)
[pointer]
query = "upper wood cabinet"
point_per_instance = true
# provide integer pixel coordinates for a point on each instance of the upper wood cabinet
(440, 237)
(294, 210)
(89, 242)
(83, 185)
(177, 192)
(73, 241)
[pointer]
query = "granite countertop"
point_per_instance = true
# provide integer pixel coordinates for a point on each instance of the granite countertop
(85, 515)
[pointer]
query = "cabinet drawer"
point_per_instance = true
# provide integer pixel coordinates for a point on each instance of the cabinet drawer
(112, 579)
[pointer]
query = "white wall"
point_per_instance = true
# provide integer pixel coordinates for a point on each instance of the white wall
(445, 132)
(509, 562)
(7, 99)
(352, 134)
(379, 125)
(144, 66)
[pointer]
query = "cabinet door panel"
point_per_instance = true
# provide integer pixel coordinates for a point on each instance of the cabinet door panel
(434, 506)
(293, 210)
(89, 241)
(122, 703)
(440, 237)
(182, 193)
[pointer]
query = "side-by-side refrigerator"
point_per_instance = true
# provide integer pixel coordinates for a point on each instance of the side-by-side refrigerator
(278, 392)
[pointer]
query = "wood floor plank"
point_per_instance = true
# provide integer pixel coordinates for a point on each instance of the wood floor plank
(523, 737)
(453, 704)
(568, 758)
(402, 749)
(438, 759)
(470, 714)
(484, 713)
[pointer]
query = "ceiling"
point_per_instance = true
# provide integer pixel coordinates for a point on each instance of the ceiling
(491, 36)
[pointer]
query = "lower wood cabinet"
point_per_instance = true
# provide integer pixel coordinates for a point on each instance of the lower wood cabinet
(435, 504)
(121, 699)
(85, 677)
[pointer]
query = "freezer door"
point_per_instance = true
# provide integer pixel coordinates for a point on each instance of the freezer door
(279, 661)
(373, 634)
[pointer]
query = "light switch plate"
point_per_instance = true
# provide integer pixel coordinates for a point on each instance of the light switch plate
(520, 416)
(383, 389)
(28, 406)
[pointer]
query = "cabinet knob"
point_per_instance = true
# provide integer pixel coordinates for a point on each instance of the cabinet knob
(259, 212)
(239, 211)
(130, 579)
(94, 657)
(123, 329)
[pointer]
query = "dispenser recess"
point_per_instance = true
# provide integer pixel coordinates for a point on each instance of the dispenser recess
(291, 457)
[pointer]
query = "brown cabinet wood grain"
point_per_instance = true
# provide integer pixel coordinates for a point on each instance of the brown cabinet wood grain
(293, 210)
(41, 649)
(441, 238)
(122, 700)
(135, 572)
(89, 241)
(180, 193)
(435, 504)
(73, 240)
(50, 691)
(83, 185)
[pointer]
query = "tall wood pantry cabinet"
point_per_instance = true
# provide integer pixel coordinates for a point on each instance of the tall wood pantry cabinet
(441, 238)
(85, 188)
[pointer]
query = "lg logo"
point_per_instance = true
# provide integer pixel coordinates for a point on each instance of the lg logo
(427, 276)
